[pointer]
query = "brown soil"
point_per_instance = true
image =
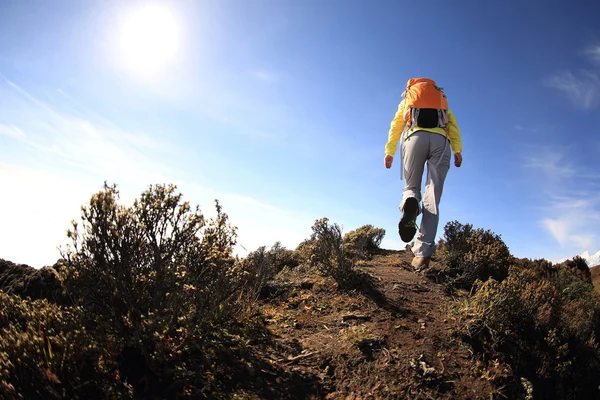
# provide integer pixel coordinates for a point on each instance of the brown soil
(596, 277)
(389, 339)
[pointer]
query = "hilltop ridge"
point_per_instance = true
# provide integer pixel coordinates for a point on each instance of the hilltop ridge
(149, 302)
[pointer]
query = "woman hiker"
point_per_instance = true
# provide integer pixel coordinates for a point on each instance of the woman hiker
(429, 133)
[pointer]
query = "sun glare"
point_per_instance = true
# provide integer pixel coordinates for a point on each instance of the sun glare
(148, 41)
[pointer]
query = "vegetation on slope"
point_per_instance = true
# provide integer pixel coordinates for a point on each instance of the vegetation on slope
(149, 301)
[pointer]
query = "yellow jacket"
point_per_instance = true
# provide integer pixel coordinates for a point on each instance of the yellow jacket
(398, 126)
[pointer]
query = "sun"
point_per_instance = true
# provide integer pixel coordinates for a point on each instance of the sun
(148, 40)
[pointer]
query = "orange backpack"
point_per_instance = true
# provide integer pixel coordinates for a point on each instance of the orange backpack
(426, 104)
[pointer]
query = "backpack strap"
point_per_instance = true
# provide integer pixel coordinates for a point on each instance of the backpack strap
(443, 121)
(414, 116)
(442, 118)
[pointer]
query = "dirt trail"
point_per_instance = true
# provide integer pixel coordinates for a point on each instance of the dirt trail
(388, 340)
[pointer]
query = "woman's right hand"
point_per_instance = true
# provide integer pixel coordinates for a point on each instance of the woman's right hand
(457, 159)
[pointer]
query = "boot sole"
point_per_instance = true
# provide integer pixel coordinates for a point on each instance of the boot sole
(406, 226)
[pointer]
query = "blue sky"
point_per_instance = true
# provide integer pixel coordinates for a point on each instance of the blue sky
(281, 110)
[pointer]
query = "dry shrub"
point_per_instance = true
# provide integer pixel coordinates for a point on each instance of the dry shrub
(469, 254)
(263, 265)
(543, 321)
(303, 251)
(156, 258)
(364, 242)
(13, 276)
(162, 278)
(327, 253)
(283, 258)
(46, 353)
(25, 281)
(579, 266)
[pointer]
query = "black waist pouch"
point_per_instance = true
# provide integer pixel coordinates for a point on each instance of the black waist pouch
(428, 118)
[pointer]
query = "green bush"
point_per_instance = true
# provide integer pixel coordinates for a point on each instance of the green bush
(46, 353)
(544, 321)
(469, 254)
(364, 242)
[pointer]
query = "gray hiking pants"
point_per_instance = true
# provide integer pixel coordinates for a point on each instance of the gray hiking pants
(433, 148)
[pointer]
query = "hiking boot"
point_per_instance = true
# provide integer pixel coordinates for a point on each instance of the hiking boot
(420, 263)
(407, 227)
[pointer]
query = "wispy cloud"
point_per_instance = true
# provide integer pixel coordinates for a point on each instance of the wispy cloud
(265, 76)
(535, 127)
(522, 128)
(66, 150)
(69, 151)
(570, 203)
(12, 132)
(252, 202)
(583, 86)
(557, 228)
(67, 132)
(574, 222)
(582, 89)
(594, 53)
(259, 222)
(551, 162)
